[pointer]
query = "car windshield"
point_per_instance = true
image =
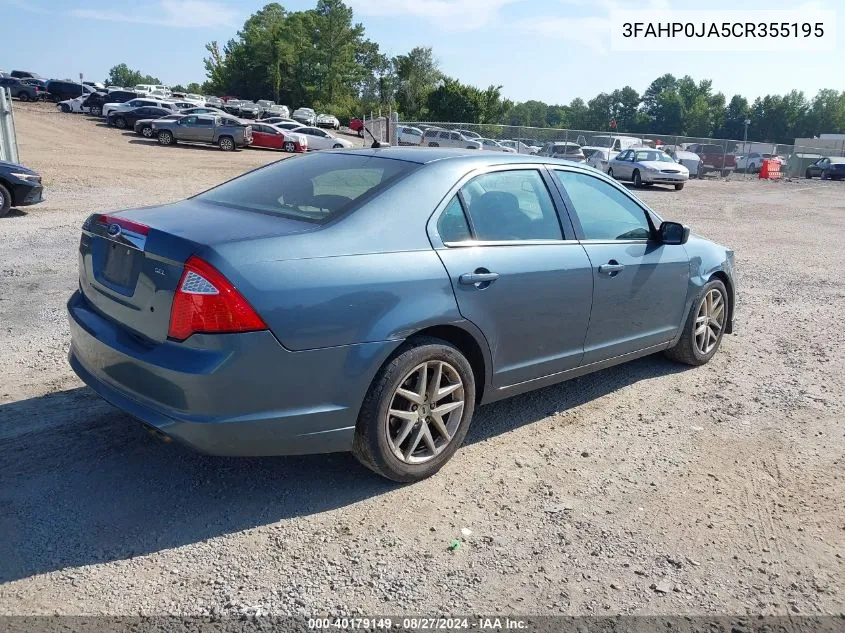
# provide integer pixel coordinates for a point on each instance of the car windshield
(652, 156)
(315, 188)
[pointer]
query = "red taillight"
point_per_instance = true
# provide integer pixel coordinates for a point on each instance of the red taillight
(205, 301)
(126, 225)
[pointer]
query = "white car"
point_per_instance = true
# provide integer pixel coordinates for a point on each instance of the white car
(689, 160)
(408, 135)
(435, 137)
(753, 162)
(137, 103)
(519, 147)
(73, 105)
(277, 110)
(648, 167)
(320, 139)
(329, 121)
(495, 146)
(469, 134)
(599, 157)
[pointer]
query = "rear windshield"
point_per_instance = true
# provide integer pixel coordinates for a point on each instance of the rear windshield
(314, 188)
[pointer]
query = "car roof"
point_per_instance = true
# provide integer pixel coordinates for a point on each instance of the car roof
(472, 157)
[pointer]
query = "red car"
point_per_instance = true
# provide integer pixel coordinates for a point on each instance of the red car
(357, 125)
(266, 135)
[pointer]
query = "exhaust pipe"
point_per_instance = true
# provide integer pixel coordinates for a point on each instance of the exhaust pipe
(162, 437)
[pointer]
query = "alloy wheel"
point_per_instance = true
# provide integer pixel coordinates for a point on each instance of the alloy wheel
(147, 132)
(710, 321)
(425, 412)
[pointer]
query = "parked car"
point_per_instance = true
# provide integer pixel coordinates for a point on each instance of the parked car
(713, 158)
(568, 151)
(214, 102)
(232, 106)
(273, 120)
(76, 106)
(494, 146)
(598, 157)
(533, 144)
(122, 119)
(288, 125)
(19, 187)
(226, 133)
(178, 104)
(96, 85)
(434, 137)
(830, 167)
(688, 159)
(518, 146)
(319, 138)
(469, 134)
(270, 136)
(648, 167)
(409, 135)
(202, 110)
(153, 89)
(613, 142)
(32, 81)
(752, 162)
(144, 127)
(22, 91)
(277, 110)
(63, 90)
(249, 110)
(292, 310)
(265, 105)
(305, 116)
(24, 74)
(139, 102)
(328, 121)
(97, 100)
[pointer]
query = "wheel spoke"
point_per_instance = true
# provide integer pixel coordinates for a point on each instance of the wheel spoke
(403, 433)
(422, 384)
(718, 312)
(440, 425)
(448, 407)
(415, 441)
(700, 329)
(445, 391)
(428, 440)
(404, 415)
(433, 388)
(410, 396)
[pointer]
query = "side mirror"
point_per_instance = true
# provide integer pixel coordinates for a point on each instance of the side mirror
(673, 233)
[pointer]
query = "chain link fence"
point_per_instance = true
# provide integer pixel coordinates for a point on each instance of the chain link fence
(718, 157)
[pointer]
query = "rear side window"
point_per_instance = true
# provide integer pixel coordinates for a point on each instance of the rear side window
(511, 205)
(315, 188)
(452, 225)
(204, 122)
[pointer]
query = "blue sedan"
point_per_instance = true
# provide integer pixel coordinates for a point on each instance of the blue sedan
(369, 300)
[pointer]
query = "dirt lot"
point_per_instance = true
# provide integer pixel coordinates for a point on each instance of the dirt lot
(649, 488)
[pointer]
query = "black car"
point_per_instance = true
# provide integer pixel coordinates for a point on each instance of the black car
(19, 187)
(97, 100)
(62, 90)
(123, 119)
(23, 74)
(20, 90)
(832, 167)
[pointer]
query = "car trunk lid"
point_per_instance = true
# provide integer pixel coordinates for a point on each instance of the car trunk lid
(131, 262)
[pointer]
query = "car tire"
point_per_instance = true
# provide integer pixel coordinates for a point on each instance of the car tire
(610, 171)
(65, 108)
(120, 123)
(689, 348)
(638, 180)
(337, 146)
(432, 144)
(23, 97)
(808, 174)
(385, 443)
(96, 111)
(726, 173)
(824, 175)
(226, 143)
(5, 201)
(679, 187)
(290, 147)
(165, 137)
(147, 131)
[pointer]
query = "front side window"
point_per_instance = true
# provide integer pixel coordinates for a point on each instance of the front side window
(189, 120)
(605, 212)
(511, 205)
(205, 122)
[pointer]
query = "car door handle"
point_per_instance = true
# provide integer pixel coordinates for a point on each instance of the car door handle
(611, 268)
(470, 279)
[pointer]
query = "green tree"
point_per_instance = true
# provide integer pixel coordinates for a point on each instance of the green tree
(417, 75)
(122, 75)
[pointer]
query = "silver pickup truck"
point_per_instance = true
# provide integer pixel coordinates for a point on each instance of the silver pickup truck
(225, 132)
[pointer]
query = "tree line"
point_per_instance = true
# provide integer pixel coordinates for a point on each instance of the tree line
(321, 58)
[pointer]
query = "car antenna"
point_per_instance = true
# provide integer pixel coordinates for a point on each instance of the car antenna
(376, 143)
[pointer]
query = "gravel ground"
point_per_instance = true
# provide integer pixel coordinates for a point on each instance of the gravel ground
(649, 488)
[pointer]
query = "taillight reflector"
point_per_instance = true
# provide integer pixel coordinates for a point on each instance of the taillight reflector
(205, 301)
(126, 225)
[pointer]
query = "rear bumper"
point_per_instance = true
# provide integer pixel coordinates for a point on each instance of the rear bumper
(232, 394)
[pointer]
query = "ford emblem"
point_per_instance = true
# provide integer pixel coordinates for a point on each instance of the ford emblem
(114, 230)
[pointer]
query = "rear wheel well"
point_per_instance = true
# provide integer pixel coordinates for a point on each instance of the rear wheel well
(466, 344)
(721, 276)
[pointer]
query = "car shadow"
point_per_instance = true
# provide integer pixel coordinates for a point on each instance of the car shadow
(659, 188)
(206, 147)
(15, 213)
(85, 484)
